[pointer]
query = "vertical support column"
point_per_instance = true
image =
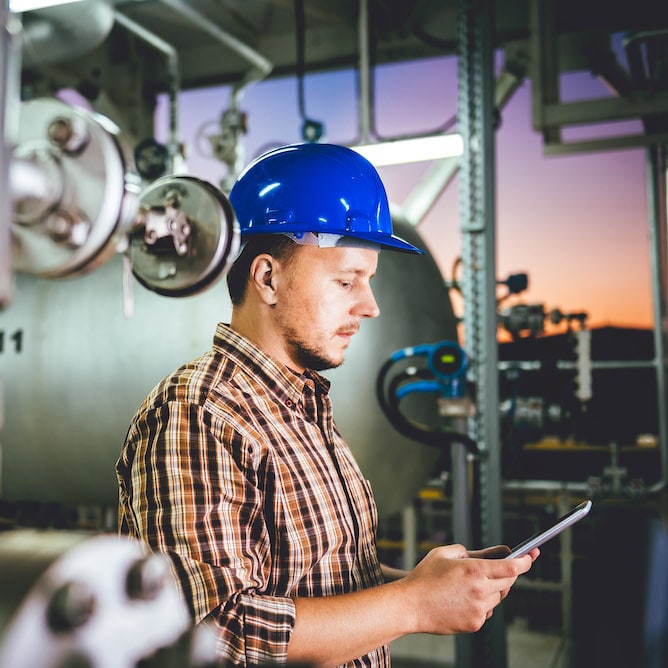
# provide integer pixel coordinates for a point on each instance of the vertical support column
(657, 180)
(462, 530)
(566, 554)
(6, 62)
(477, 206)
(410, 533)
(544, 68)
(364, 74)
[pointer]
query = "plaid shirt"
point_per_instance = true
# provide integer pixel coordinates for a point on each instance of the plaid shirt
(234, 468)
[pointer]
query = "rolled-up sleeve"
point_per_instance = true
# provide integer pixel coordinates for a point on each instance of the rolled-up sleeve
(196, 498)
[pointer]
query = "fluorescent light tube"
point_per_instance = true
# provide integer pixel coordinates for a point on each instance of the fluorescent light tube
(21, 6)
(417, 149)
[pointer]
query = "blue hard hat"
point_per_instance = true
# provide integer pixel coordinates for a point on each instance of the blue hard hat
(319, 188)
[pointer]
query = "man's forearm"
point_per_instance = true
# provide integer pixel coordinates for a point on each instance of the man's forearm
(447, 592)
(333, 630)
(391, 574)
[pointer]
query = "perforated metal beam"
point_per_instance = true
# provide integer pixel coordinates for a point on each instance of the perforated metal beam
(477, 206)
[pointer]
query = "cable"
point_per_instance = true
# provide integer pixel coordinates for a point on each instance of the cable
(447, 125)
(407, 427)
(300, 30)
(312, 130)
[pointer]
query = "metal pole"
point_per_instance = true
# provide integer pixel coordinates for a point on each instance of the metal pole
(477, 206)
(657, 173)
(409, 528)
(364, 75)
(261, 67)
(462, 530)
(173, 80)
(9, 104)
(566, 553)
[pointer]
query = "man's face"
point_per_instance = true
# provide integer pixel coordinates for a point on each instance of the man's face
(324, 294)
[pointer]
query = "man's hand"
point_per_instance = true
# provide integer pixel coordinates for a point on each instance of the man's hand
(447, 592)
(451, 592)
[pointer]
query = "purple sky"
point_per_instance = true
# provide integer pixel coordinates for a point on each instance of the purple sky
(576, 223)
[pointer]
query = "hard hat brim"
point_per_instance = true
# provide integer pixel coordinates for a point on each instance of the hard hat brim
(387, 241)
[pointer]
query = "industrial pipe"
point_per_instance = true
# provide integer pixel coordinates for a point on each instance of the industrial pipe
(173, 80)
(9, 103)
(65, 32)
(261, 67)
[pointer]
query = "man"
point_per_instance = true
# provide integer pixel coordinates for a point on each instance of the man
(233, 465)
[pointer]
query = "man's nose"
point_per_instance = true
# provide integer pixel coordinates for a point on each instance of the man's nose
(368, 307)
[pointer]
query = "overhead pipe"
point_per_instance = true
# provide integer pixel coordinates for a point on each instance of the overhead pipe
(657, 170)
(65, 32)
(261, 67)
(423, 197)
(367, 127)
(9, 105)
(364, 74)
(173, 80)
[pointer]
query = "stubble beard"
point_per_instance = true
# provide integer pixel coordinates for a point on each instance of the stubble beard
(309, 355)
(312, 357)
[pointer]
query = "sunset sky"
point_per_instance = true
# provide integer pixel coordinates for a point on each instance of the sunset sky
(577, 224)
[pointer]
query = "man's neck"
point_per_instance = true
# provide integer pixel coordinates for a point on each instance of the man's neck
(262, 333)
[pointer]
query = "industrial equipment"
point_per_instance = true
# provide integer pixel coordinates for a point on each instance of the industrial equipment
(77, 599)
(443, 375)
(73, 189)
(79, 355)
(77, 201)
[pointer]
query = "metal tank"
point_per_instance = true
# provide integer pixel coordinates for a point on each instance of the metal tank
(74, 368)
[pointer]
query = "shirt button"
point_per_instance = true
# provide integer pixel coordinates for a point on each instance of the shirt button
(288, 403)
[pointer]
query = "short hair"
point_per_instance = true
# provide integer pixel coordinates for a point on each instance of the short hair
(276, 245)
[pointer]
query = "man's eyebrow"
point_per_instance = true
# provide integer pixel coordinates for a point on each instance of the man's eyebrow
(357, 271)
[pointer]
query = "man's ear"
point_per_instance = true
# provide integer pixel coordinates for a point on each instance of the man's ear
(263, 272)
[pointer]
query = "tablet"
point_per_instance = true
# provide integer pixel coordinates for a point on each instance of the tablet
(571, 517)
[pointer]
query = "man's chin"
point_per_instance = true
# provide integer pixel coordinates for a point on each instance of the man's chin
(319, 363)
(325, 365)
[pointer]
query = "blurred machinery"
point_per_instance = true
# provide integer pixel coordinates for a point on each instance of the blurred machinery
(581, 405)
(578, 418)
(77, 201)
(438, 370)
(587, 396)
(76, 599)
(584, 393)
(443, 375)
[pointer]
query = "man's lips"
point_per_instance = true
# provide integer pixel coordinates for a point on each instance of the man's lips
(347, 332)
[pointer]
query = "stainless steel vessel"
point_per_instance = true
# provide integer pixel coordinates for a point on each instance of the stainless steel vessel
(74, 368)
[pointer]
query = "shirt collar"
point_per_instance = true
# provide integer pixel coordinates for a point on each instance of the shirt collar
(282, 379)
